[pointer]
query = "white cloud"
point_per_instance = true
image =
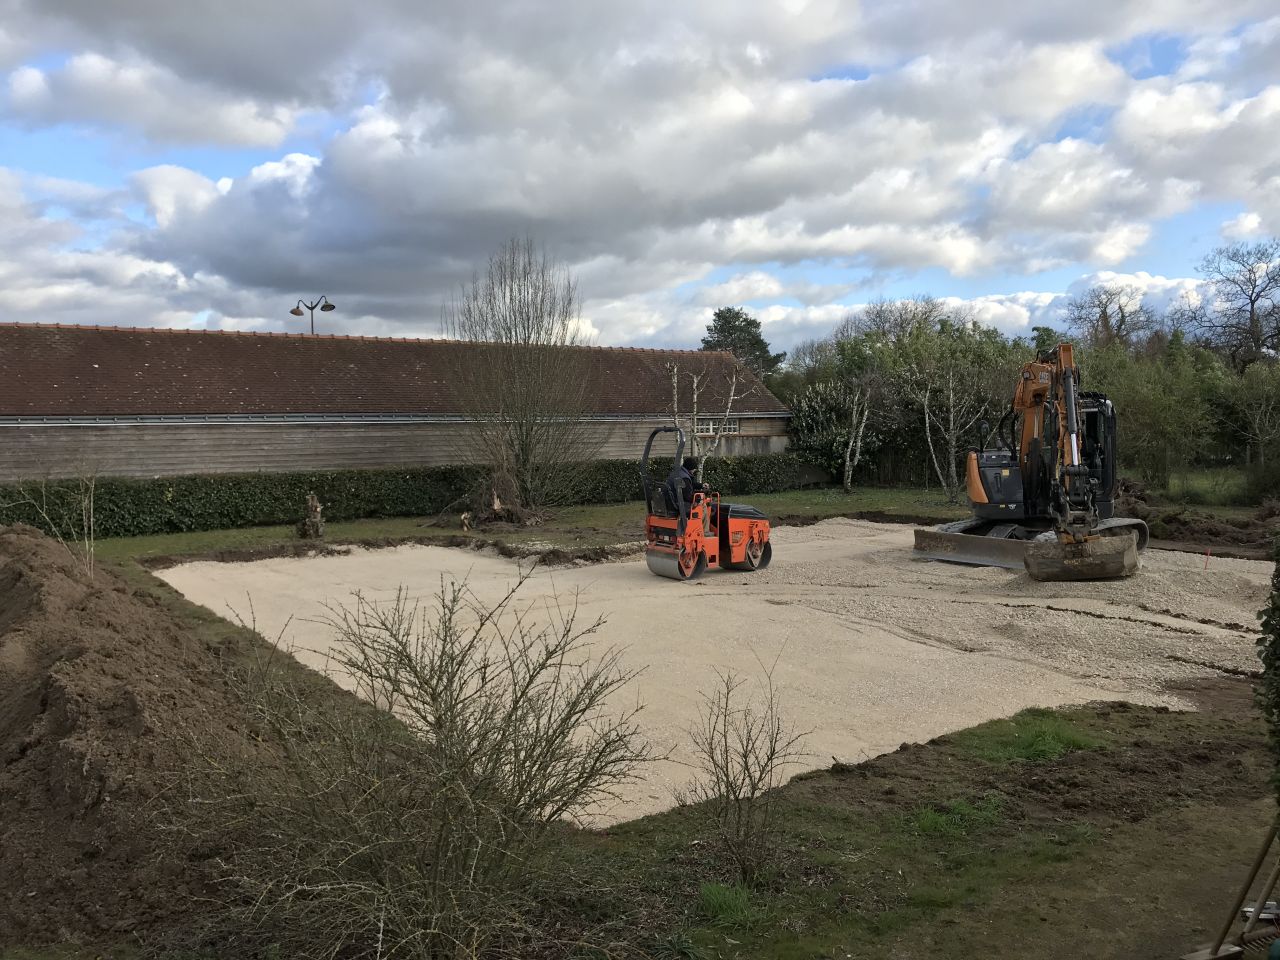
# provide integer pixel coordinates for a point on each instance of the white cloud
(155, 102)
(1202, 133)
(651, 145)
(1244, 59)
(756, 285)
(1014, 313)
(171, 192)
(1247, 224)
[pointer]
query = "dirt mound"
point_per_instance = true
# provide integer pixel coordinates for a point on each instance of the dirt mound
(97, 683)
(1131, 499)
(1248, 538)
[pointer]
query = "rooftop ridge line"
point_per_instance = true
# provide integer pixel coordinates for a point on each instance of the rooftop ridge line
(329, 337)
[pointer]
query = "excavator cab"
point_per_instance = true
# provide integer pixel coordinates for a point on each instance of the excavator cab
(1001, 488)
(683, 537)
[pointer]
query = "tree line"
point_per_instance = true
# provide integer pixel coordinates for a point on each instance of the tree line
(896, 393)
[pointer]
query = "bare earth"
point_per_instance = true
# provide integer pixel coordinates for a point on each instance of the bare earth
(872, 647)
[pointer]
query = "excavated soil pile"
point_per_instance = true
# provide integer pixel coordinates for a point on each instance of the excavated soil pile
(1249, 538)
(97, 684)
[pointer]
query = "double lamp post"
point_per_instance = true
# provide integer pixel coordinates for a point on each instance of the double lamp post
(323, 303)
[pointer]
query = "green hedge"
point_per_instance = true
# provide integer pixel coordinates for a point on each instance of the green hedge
(126, 508)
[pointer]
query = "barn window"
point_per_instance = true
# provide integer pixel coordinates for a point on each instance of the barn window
(708, 426)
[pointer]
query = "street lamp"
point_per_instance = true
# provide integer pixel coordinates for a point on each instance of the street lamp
(324, 305)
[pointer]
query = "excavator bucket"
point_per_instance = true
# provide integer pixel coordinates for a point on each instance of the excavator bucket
(1103, 558)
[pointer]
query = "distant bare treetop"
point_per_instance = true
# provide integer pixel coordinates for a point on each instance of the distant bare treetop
(1244, 317)
(895, 318)
(523, 298)
(1111, 313)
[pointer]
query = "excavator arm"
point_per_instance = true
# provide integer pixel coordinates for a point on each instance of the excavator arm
(1081, 546)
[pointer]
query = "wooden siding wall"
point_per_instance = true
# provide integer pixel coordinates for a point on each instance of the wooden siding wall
(51, 450)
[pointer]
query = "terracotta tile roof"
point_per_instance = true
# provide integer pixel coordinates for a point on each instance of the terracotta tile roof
(57, 370)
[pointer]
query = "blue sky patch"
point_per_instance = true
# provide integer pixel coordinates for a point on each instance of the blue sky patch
(1150, 55)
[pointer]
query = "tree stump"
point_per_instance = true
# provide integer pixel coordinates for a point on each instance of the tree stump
(312, 526)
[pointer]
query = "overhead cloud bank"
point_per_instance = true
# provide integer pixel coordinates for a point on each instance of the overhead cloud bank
(798, 157)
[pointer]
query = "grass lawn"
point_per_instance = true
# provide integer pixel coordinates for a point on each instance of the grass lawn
(597, 525)
(1107, 831)
(1047, 833)
(1207, 486)
(570, 527)
(1216, 491)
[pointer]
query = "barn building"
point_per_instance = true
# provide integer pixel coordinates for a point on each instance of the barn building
(142, 402)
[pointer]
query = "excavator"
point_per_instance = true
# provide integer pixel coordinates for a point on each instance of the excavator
(685, 537)
(1043, 493)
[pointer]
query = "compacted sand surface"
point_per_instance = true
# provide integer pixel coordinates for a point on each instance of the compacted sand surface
(871, 647)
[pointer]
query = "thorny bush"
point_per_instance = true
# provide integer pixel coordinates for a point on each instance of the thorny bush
(416, 828)
(742, 744)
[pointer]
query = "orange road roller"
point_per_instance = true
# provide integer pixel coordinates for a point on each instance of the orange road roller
(689, 529)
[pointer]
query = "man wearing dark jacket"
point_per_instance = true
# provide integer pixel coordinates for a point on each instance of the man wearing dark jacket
(688, 479)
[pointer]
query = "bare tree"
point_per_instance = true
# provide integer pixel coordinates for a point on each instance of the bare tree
(524, 383)
(699, 382)
(742, 746)
(950, 410)
(895, 319)
(860, 388)
(814, 360)
(829, 423)
(1243, 316)
(1111, 313)
(858, 410)
(809, 362)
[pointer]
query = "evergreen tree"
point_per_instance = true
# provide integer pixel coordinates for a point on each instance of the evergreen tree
(1045, 338)
(735, 330)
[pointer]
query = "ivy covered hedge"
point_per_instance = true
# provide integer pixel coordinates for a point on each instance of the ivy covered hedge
(127, 507)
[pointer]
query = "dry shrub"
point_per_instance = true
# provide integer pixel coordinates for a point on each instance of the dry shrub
(415, 829)
(742, 743)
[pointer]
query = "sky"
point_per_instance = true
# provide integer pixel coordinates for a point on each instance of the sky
(206, 164)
